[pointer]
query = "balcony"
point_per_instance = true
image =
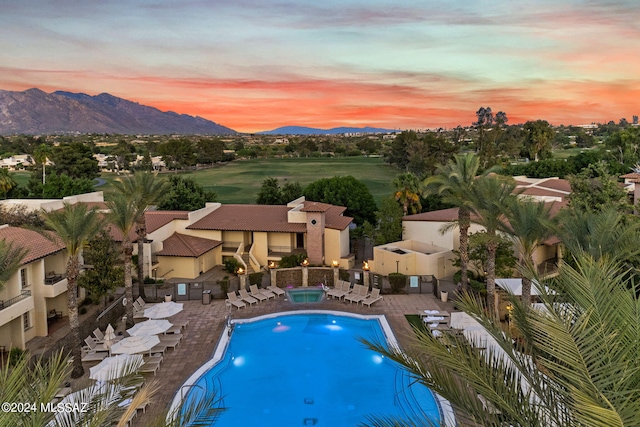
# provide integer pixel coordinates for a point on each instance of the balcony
(55, 284)
(15, 307)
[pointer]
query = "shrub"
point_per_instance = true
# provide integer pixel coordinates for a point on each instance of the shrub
(149, 280)
(293, 260)
(82, 310)
(255, 278)
(231, 265)
(224, 285)
(16, 355)
(398, 282)
(344, 275)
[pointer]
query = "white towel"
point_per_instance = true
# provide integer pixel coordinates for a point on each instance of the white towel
(433, 318)
(433, 325)
(436, 333)
(432, 311)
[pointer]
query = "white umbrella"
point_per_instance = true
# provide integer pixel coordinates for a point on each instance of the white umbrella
(115, 367)
(109, 337)
(163, 310)
(134, 345)
(149, 327)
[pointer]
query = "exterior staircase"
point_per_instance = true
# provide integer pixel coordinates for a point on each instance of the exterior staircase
(245, 258)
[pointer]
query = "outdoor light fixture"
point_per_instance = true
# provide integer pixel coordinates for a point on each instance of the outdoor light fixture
(335, 264)
(272, 264)
(240, 270)
(305, 263)
(365, 266)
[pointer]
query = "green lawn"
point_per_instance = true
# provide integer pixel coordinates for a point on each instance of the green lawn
(239, 181)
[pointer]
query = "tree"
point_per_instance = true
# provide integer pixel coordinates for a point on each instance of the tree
(490, 196)
(505, 261)
(344, 191)
(388, 225)
(186, 195)
(74, 225)
(398, 154)
(539, 135)
(454, 182)
(40, 155)
(291, 191)
(11, 257)
(74, 160)
(178, 153)
(574, 364)
(625, 144)
(528, 226)
(270, 193)
(210, 150)
(427, 152)
(6, 182)
(486, 141)
(595, 189)
(408, 192)
(123, 213)
(106, 271)
(144, 189)
(59, 186)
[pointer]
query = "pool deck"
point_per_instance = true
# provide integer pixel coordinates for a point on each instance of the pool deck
(206, 323)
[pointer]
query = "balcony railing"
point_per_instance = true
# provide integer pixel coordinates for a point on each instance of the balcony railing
(53, 279)
(10, 302)
(230, 246)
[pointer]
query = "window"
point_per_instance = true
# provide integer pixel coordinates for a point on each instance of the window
(25, 321)
(23, 278)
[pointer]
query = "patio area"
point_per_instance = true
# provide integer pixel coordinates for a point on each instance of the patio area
(206, 323)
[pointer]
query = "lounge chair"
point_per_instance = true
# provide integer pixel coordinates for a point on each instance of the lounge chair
(375, 296)
(182, 324)
(99, 335)
(235, 301)
(170, 341)
(151, 365)
(94, 356)
(254, 289)
(144, 304)
(256, 294)
(159, 348)
(276, 290)
(340, 289)
(244, 295)
(93, 346)
(358, 295)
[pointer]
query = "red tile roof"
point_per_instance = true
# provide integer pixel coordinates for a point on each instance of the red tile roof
(633, 176)
(316, 207)
(187, 246)
(266, 218)
(158, 219)
(37, 244)
(556, 184)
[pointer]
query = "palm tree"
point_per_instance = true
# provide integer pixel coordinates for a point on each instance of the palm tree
(75, 225)
(454, 182)
(10, 260)
(6, 182)
(110, 403)
(147, 190)
(123, 214)
(490, 196)
(40, 155)
(528, 225)
(576, 366)
(408, 192)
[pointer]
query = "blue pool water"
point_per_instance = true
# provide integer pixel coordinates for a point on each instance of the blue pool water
(309, 369)
(305, 295)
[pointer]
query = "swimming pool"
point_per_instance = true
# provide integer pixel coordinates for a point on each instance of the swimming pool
(308, 368)
(298, 296)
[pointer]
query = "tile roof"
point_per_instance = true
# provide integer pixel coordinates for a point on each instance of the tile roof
(187, 246)
(556, 184)
(633, 176)
(37, 244)
(266, 218)
(315, 207)
(158, 219)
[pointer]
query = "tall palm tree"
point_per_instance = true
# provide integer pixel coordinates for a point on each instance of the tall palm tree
(528, 225)
(490, 196)
(147, 190)
(11, 257)
(408, 192)
(123, 214)
(454, 182)
(75, 225)
(577, 364)
(40, 154)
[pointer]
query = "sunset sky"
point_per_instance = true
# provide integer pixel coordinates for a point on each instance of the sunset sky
(256, 65)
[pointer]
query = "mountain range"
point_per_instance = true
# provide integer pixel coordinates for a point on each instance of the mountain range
(36, 112)
(302, 130)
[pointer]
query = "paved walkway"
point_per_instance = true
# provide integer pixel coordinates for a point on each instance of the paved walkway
(206, 323)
